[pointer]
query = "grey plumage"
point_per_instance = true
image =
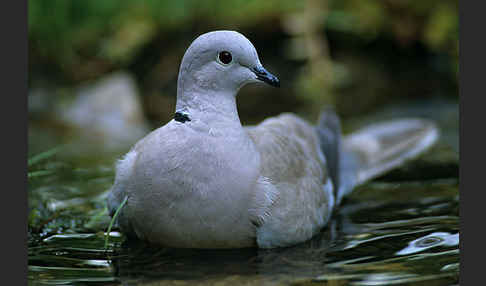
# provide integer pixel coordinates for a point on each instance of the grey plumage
(208, 182)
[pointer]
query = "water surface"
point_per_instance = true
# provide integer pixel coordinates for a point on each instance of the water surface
(402, 228)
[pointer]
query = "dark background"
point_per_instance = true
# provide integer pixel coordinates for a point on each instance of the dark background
(370, 54)
(355, 55)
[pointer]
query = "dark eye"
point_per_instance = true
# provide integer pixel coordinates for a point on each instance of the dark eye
(225, 57)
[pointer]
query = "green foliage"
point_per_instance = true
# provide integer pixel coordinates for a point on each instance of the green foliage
(71, 34)
(435, 23)
(36, 159)
(42, 156)
(71, 42)
(441, 30)
(113, 220)
(114, 30)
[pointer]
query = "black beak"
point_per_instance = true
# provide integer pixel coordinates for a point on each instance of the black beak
(263, 75)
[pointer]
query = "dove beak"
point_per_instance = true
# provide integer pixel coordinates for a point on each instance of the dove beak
(263, 75)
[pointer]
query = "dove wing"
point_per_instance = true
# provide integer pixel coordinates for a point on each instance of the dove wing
(293, 197)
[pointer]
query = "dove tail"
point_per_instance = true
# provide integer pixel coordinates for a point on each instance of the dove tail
(371, 151)
(381, 147)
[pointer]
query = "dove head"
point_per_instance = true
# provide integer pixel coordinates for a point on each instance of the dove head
(220, 62)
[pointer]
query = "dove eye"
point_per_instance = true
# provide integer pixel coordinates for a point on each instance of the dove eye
(225, 57)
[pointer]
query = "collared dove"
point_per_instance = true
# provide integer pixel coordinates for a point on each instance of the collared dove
(205, 181)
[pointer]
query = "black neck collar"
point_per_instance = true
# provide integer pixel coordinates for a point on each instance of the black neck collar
(181, 117)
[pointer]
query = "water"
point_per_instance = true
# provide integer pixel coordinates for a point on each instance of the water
(402, 228)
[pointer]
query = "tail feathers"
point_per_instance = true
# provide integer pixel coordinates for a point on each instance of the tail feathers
(329, 133)
(381, 147)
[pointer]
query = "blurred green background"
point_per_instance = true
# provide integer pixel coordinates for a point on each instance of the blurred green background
(356, 55)
(102, 74)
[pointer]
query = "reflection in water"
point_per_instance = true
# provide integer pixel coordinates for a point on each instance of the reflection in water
(401, 228)
(359, 247)
(432, 240)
